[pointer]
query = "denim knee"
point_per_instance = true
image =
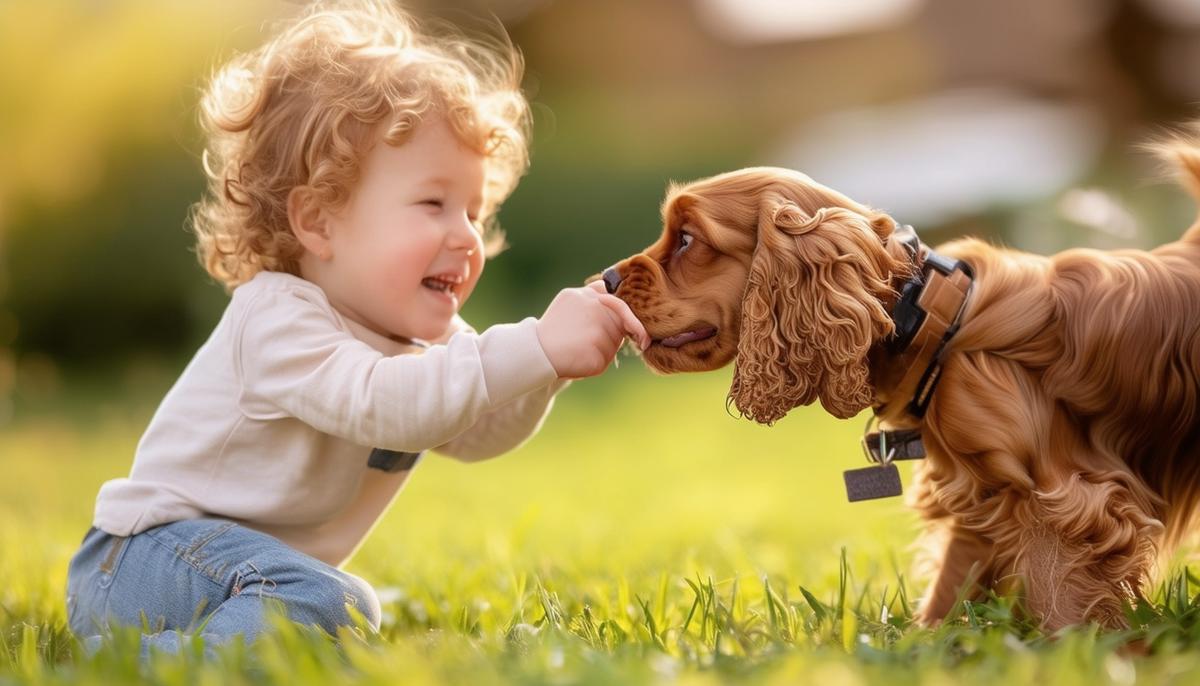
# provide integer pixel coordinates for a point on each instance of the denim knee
(362, 597)
(323, 596)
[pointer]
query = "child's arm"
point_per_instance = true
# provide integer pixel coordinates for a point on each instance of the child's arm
(563, 328)
(505, 428)
(295, 362)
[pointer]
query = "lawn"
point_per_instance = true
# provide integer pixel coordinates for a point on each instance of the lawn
(644, 536)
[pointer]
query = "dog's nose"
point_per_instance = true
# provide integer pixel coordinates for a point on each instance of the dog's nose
(612, 279)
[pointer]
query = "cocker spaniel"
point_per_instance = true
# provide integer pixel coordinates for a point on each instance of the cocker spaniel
(1057, 398)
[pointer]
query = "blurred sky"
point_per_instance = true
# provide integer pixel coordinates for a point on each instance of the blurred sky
(1012, 119)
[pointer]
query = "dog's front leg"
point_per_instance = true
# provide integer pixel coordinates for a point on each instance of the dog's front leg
(964, 563)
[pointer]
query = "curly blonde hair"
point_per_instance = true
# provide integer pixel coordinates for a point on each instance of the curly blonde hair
(303, 109)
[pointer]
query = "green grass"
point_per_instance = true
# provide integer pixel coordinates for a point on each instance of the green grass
(645, 536)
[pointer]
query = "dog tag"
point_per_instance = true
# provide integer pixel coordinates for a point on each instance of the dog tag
(869, 483)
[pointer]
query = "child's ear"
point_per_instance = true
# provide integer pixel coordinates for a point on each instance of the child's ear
(308, 222)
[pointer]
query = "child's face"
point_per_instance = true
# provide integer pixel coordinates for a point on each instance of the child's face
(406, 250)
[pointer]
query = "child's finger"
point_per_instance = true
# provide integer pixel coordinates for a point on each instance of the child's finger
(613, 325)
(597, 285)
(628, 321)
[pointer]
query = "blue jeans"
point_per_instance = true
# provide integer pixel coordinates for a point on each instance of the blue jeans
(183, 573)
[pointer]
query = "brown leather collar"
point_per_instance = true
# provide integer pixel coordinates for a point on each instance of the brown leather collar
(927, 314)
(906, 368)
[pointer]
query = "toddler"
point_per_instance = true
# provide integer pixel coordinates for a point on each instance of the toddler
(356, 164)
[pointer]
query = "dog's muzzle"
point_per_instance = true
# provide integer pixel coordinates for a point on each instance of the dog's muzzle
(612, 279)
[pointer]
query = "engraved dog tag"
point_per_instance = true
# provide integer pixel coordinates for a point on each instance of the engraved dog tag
(869, 483)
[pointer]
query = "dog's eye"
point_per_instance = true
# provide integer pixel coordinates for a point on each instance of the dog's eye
(685, 242)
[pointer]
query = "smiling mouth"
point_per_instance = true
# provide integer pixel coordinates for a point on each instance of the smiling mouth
(680, 339)
(443, 284)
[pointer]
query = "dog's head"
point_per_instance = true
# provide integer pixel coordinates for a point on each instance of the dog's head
(772, 269)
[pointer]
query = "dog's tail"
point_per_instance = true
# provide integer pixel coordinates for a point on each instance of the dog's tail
(1180, 151)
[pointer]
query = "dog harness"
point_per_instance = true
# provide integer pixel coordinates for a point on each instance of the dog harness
(926, 314)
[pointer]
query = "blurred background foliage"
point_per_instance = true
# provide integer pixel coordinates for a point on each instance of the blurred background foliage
(1013, 119)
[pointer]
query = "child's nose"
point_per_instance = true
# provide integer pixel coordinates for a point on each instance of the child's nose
(463, 234)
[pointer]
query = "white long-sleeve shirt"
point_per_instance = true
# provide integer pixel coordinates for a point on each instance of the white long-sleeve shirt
(272, 422)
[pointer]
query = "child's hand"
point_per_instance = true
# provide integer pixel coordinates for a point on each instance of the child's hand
(582, 330)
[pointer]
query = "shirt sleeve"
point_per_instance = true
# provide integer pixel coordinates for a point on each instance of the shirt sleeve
(294, 361)
(504, 428)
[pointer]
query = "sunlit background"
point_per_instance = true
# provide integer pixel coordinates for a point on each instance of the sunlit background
(1016, 120)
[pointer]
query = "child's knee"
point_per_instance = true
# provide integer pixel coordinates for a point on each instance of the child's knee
(326, 599)
(362, 598)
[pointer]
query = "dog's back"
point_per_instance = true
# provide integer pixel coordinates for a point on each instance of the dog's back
(1113, 339)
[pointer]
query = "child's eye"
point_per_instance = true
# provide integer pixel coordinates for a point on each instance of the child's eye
(432, 202)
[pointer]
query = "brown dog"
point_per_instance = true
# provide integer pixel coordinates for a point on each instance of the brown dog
(1062, 439)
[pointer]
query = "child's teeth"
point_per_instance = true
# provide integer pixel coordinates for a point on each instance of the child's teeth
(438, 284)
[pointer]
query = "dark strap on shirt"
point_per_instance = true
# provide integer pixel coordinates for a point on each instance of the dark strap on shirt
(392, 461)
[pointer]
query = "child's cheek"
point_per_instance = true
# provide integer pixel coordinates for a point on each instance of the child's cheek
(477, 262)
(403, 277)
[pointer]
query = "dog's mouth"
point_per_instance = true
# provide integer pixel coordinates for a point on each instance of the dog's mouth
(681, 339)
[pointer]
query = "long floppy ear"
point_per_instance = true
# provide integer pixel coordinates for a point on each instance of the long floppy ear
(811, 311)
